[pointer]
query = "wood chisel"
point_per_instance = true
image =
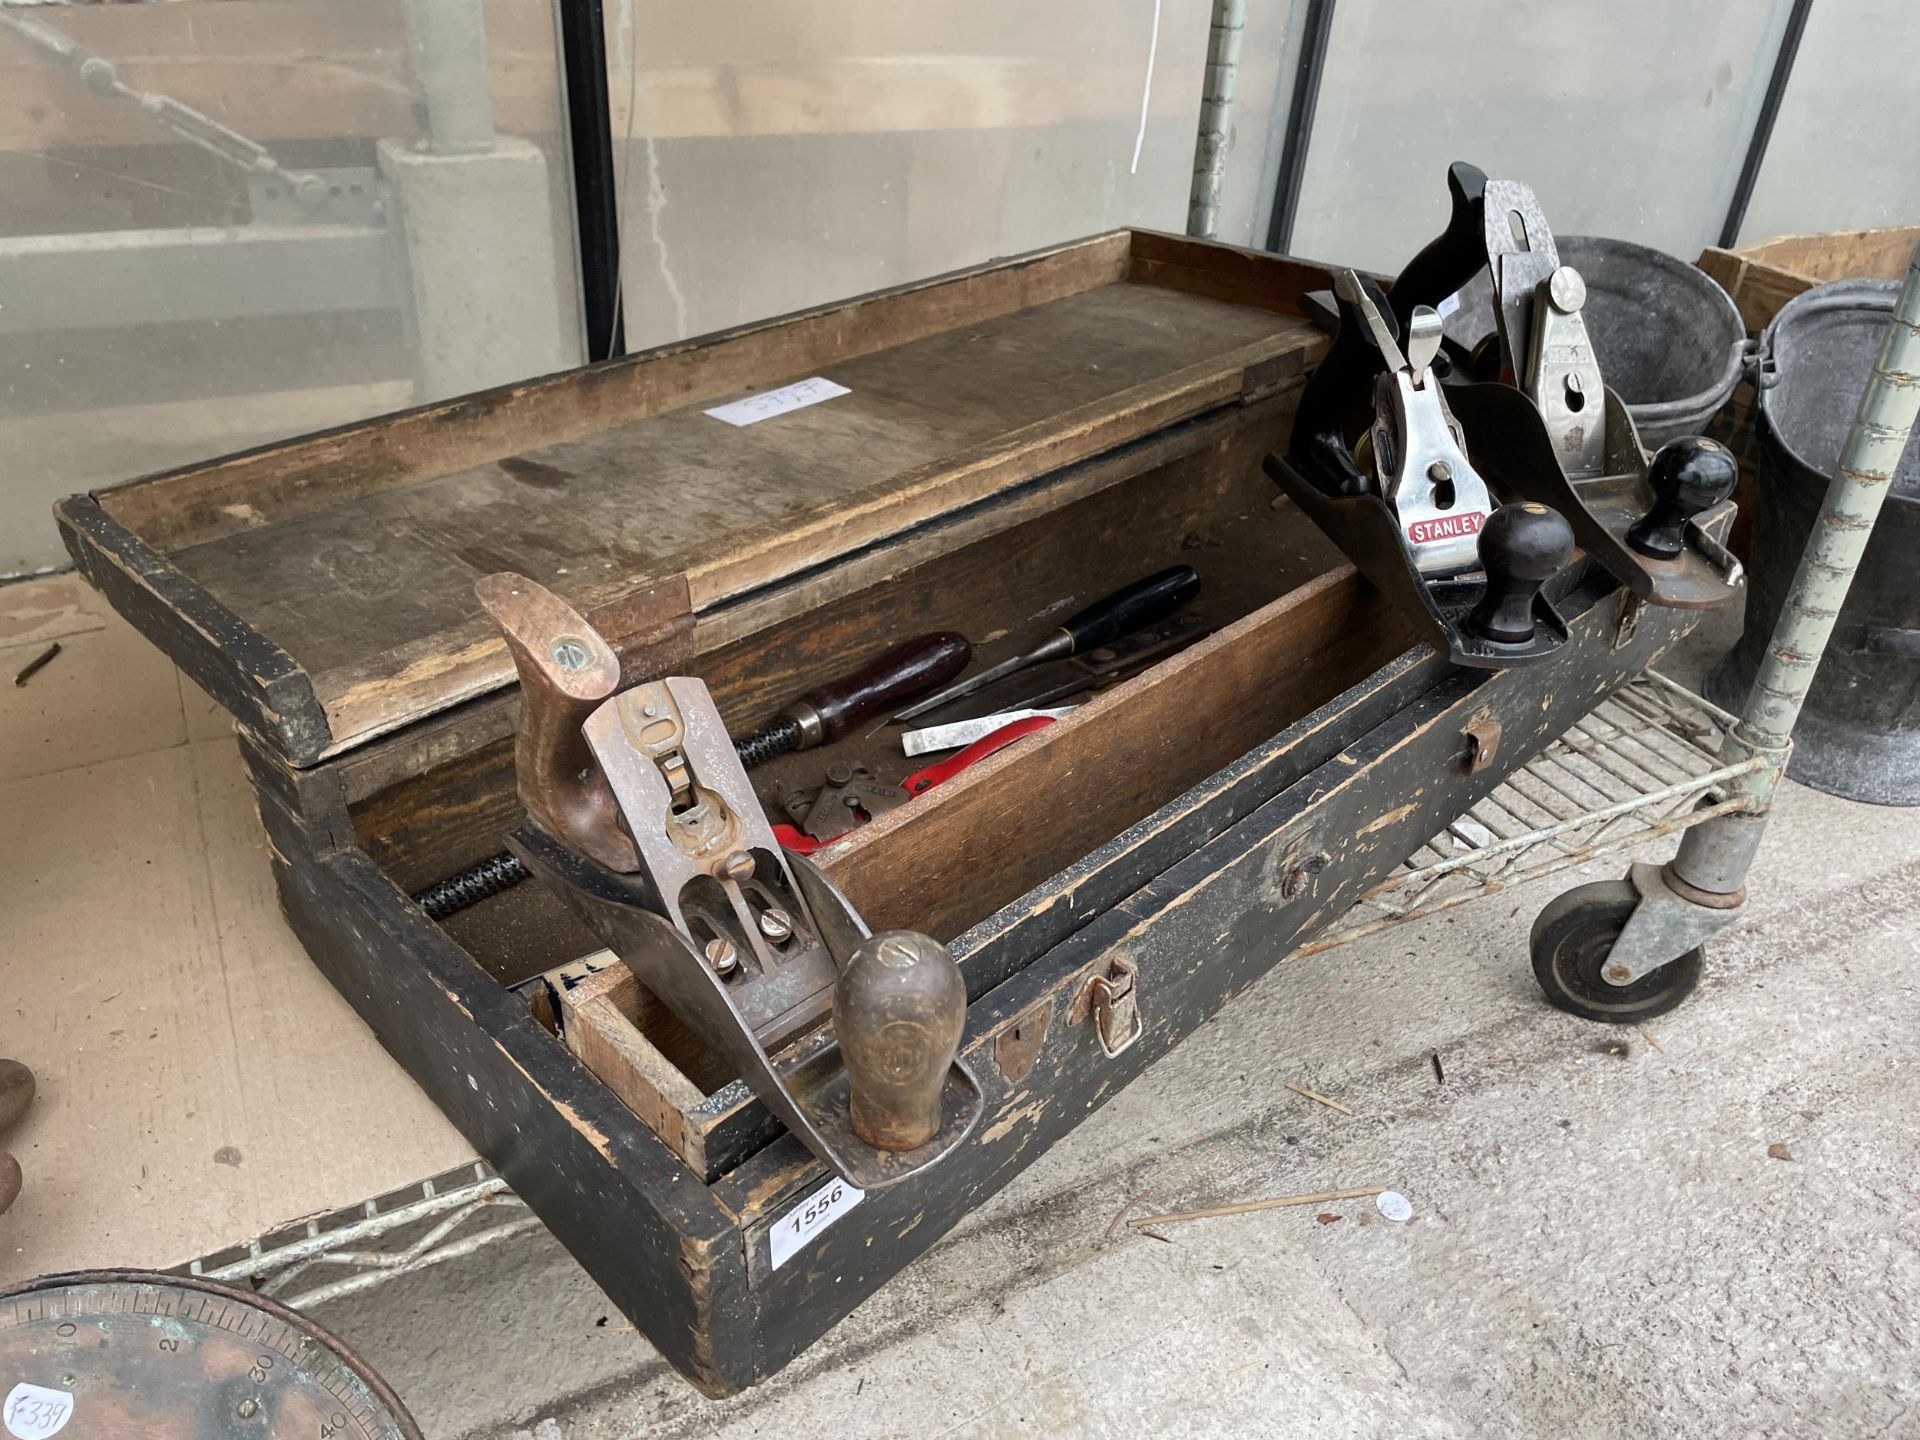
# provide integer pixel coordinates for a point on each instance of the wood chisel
(1121, 613)
(967, 732)
(1101, 667)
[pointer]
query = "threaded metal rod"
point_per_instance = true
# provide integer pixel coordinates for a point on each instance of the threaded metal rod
(489, 877)
(472, 885)
(1881, 428)
(776, 738)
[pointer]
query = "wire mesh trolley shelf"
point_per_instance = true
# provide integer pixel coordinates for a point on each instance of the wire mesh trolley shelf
(452, 1215)
(1643, 765)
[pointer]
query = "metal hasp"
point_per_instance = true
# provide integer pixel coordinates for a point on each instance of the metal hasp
(750, 946)
(1702, 889)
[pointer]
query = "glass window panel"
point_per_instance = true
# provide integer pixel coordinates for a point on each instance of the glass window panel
(230, 221)
(771, 156)
(1841, 156)
(1627, 119)
(1268, 57)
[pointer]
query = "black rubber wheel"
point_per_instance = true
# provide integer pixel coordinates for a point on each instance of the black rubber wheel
(1572, 939)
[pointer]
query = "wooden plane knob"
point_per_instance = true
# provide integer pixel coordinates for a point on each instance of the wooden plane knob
(899, 1008)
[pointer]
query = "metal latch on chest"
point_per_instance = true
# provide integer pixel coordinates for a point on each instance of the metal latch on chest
(1111, 999)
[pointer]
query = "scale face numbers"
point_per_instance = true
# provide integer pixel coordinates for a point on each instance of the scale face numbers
(124, 1353)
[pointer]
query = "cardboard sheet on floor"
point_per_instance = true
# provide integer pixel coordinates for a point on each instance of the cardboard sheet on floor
(200, 1082)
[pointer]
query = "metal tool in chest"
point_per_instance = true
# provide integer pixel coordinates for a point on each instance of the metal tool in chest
(1459, 483)
(640, 815)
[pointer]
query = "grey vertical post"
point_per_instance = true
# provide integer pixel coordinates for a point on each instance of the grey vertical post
(1715, 855)
(1216, 116)
(492, 299)
(447, 53)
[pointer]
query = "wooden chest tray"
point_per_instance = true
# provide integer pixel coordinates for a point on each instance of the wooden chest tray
(1017, 439)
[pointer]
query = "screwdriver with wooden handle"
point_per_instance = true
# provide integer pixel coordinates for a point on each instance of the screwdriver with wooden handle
(1121, 613)
(831, 710)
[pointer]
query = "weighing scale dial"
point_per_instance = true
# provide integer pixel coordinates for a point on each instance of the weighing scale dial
(124, 1353)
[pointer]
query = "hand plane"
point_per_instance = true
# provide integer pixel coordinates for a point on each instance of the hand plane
(1407, 502)
(1388, 439)
(1649, 520)
(640, 816)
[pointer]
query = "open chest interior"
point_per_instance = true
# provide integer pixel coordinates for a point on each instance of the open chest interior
(1290, 627)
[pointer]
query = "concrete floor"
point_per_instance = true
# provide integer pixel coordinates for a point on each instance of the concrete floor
(1601, 1243)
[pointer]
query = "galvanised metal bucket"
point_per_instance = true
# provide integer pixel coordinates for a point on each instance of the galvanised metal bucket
(1859, 735)
(1670, 341)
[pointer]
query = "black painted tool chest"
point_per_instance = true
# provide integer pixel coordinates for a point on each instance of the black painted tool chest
(1014, 440)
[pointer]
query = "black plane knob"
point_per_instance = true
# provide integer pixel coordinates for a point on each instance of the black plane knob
(1688, 475)
(1522, 547)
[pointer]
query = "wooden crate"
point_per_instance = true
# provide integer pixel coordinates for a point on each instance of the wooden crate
(1761, 278)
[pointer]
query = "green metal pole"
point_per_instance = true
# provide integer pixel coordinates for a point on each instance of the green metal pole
(1715, 855)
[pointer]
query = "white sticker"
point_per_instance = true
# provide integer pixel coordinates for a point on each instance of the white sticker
(1470, 834)
(33, 1412)
(810, 1217)
(1395, 1206)
(769, 403)
(1447, 306)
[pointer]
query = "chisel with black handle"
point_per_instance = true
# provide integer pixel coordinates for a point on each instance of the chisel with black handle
(1121, 613)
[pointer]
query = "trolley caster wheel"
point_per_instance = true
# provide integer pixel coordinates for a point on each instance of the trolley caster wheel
(1571, 941)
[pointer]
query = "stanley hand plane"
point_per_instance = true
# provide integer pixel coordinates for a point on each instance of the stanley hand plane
(640, 816)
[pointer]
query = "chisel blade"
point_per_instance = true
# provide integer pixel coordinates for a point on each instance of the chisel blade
(964, 732)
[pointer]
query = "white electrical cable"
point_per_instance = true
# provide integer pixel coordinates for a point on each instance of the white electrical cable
(1146, 90)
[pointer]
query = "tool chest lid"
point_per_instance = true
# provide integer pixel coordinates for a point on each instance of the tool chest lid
(322, 589)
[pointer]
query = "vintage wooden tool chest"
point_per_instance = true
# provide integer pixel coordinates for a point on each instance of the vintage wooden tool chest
(1014, 440)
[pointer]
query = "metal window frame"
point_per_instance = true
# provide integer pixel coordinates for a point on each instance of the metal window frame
(1304, 103)
(1762, 135)
(596, 198)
